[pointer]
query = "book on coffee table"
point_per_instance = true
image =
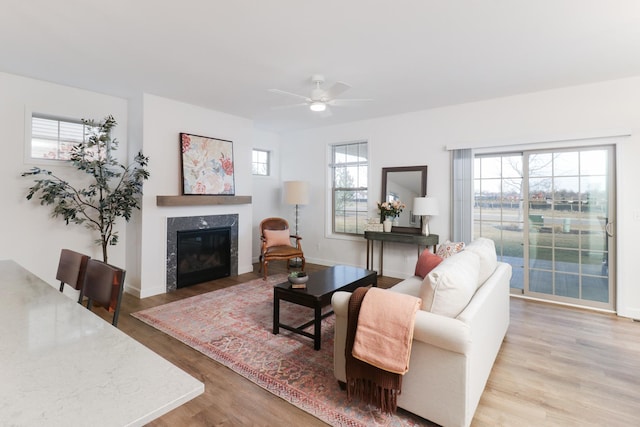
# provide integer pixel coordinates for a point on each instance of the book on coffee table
(298, 286)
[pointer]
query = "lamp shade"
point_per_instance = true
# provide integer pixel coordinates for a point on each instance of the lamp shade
(425, 206)
(296, 192)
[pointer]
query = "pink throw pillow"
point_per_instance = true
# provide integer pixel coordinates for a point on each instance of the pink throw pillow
(426, 262)
(277, 238)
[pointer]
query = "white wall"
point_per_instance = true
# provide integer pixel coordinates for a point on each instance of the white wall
(163, 120)
(267, 190)
(29, 235)
(133, 244)
(419, 138)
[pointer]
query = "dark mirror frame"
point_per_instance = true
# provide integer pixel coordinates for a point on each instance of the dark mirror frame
(423, 192)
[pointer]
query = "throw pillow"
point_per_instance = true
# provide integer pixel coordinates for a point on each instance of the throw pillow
(486, 250)
(449, 287)
(448, 248)
(426, 262)
(277, 238)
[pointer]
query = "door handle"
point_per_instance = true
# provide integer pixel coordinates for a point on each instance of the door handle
(609, 229)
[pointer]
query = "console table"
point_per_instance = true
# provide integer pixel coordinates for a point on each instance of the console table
(409, 238)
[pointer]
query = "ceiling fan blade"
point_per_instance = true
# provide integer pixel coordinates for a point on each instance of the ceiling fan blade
(284, 107)
(337, 88)
(348, 102)
(284, 92)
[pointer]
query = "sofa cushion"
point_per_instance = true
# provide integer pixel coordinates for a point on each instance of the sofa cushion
(427, 261)
(448, 288)
(448, 249)
(277, 238)
(486, 251)
(410, 286)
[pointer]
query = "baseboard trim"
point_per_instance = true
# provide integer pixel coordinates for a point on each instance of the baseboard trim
(565, 304)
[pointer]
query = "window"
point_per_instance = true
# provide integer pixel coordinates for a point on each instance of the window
(260, 162)
(52, 138)
(349, 173)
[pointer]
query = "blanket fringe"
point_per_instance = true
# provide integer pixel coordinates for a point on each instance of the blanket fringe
(385, 399)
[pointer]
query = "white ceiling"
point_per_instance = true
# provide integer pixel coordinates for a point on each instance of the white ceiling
(407, 55)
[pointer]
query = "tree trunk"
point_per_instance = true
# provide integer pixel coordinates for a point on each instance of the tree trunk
(104, 251)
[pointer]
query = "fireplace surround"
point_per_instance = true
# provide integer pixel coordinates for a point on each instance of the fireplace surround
(176, 224)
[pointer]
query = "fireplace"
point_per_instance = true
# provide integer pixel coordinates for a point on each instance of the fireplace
(203, 255)
(186, 226)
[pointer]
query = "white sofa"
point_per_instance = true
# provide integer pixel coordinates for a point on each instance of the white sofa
(451, 357)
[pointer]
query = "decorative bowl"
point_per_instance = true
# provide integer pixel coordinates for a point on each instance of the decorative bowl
(298, 279)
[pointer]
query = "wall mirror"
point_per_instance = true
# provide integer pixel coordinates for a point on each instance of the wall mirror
(404, 183)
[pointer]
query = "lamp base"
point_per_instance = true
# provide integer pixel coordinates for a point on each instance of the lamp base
(425, 225)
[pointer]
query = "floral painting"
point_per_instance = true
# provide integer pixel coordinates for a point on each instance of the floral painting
(207, 165)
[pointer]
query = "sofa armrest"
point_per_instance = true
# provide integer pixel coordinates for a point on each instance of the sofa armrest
(340, 303)
(443, 332)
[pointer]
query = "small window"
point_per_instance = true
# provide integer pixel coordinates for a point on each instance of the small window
(260, 160)
(53, 138)
(349, 172)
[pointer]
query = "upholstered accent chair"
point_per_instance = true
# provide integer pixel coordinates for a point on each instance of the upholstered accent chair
(276, 238)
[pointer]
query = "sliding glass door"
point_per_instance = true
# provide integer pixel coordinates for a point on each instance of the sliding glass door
(551, 215)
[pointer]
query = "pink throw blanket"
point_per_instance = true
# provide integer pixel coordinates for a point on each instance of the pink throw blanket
(385, 330)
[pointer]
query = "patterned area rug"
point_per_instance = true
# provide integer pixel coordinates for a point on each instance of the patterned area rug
(233, 326)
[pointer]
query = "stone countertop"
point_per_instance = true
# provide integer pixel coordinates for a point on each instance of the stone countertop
(64, 366)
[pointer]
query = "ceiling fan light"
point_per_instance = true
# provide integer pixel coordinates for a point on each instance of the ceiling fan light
(318, 106)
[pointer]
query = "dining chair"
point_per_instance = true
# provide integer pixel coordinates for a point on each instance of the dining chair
(276, 243)
(72, 267)
(103, 285)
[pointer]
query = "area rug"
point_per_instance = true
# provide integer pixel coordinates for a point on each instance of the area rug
(233, 326)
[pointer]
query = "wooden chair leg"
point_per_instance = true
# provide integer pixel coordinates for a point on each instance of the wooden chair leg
(264, 267)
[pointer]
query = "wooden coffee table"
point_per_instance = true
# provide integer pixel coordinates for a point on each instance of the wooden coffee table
(320, 287)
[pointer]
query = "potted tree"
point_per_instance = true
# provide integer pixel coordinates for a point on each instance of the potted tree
(114, 190)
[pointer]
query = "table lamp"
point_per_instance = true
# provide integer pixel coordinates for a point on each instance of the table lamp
(425, 207)
(296, 193)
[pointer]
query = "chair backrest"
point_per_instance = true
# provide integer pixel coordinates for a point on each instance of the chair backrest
(71, 268)
(273, 224)
(275, 232)
(103, 284)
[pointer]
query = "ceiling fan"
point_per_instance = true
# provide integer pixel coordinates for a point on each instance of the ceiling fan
(320, 98)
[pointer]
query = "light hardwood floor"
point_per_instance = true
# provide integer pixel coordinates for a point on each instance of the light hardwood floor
(558, 366)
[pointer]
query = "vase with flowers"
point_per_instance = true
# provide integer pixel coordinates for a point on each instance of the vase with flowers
(389, 211)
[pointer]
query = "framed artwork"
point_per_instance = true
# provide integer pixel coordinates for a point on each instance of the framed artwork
(207, 165)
